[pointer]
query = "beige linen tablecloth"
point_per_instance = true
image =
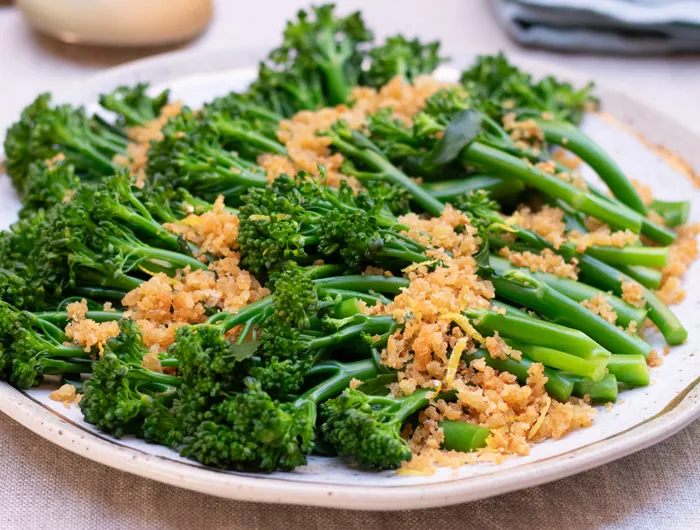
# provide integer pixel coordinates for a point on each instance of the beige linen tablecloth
(45, 487)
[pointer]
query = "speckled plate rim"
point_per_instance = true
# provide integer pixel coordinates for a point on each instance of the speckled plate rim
(681, 411)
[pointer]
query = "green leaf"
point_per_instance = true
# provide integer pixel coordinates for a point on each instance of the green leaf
(463, 129)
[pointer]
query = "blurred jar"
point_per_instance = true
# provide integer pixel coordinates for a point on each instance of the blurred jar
(119, 22)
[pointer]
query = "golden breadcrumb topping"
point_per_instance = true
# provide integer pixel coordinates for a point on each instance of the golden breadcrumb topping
(523, 130)
(653, 359)
(633, 293)
(162, 304)
(600, 305)
(682, 252)
(85, 331)
(548, 222)
(307, 150)
(428, 354)
(603, 236)
(546, 261)
(151, 361)
(498, 349)
(215, 231)
(566, 159)
(141, 137)
(515, 415)
(67, 395)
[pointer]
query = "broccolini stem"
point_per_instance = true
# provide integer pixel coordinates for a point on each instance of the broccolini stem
(629, 369)
(367, 325)
(524, 289)
(603, 391)
(498, 187)
(504, 163)
(250, 137)
(648, 277)
(675, 213)
(560, 360)
(463, 436)
(61, 317)
(579, 292)
(610, 279)
(573, 139)
(176, 259)
(658, 234)
(631, 255)
(343, 373)
(534, 331)
(431, 205)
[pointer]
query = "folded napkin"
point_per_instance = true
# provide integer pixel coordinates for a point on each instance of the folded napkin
(618, 26)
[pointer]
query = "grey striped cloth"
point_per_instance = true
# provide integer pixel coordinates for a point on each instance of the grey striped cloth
(615, 26)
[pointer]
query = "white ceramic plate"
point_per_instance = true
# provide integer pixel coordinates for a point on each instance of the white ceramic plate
(644, 417)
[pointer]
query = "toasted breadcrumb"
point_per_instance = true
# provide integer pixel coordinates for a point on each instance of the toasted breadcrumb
(498, 349)
(547, 222)
(653, 359)
(546, 261)
(107, 306)
(67, 395)
(307, 150)
(163, 304)
(600, 305)
(633, 293)
(603, 236)
(141, 137)
(151, 362)
(85, 331)
(682, 252)
(215, 231)
(566, 159)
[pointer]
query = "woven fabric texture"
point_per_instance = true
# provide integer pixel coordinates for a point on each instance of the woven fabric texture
(45, 487)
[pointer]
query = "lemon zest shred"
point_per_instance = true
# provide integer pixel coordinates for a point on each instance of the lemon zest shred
(463, 322)
(536, 427)
(453, 364)
(415, 266)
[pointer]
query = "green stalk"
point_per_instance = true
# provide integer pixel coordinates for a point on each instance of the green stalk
(510, 309)
(631, 255)
(603, 391)
(607, 278)
(498, 187)
(363, 149)
(578, 292)
(61, 317)
(658, 234)
(674, 213)
(250, 137)
(558, 386)
(177, 259)
(506, 164)
(629, 369)
(573, 139)
(365, 283)
(462, 436)
(648, 277)
(518, 287)
(534, 331)
(560, 360)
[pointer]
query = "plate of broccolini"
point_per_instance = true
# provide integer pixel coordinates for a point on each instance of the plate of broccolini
(358, 275)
